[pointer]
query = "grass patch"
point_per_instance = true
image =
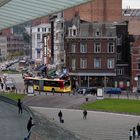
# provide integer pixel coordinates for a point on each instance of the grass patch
(14, 96)
(10, 72)
(114, 105)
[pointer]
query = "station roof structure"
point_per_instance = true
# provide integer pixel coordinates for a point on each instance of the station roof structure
(14, 12)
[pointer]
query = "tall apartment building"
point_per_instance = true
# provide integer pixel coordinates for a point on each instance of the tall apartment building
(3, 48)
(11, 46)
(97, 10)
(37, 44)
(59, 52)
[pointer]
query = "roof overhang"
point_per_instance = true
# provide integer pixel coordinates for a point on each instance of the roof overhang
(14, 12)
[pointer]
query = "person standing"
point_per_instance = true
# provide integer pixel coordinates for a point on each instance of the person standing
(2, 85)
(60, 115)
(30, 124)
(85, 114)
(130, 134)
(19, 104)
(138, 130)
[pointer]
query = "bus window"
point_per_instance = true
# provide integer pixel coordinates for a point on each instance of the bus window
(67, 83)
(36, 82)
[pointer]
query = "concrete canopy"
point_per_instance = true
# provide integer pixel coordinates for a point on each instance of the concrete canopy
(14, 12)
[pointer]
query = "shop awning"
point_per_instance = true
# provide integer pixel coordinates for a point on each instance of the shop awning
(14, 12)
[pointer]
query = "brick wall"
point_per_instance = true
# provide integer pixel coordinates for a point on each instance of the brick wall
(97, 10)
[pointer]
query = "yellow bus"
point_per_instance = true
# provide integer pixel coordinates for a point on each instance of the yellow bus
(51, 85)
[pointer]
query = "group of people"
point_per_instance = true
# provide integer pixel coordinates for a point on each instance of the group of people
(134, 132)
(60, 115)
(30, 121)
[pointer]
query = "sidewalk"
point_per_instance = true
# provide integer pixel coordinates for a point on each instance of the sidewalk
(98, 126)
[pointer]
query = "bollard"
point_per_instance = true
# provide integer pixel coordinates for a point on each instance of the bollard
(127, 96)
(136, 96)
(86, 99)
(118, 96)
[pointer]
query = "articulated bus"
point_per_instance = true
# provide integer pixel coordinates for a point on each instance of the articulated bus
(50, 85)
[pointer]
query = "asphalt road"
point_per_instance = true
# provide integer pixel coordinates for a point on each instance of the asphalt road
(12, 125)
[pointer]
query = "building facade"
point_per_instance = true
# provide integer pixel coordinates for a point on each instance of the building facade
(96, 54)
(3, 48)
(97, 10)
(11, 46)
(37, 44)
(59, 52)
(135, 54)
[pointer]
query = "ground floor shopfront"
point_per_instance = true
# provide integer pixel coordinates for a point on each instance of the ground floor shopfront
(100, 80)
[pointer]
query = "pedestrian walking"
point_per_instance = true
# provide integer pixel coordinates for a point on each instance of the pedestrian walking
(28, 136)
(19, 104)
(85, 114)
(30, 124)
(134, 133)
(60, 115)
(130, 134)
(2, 85)
(138, 129)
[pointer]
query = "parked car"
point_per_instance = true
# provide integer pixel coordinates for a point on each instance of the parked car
(85, 91)
(9, 85)
(111, 90)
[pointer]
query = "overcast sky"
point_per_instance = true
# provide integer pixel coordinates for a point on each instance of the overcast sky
(131, 3)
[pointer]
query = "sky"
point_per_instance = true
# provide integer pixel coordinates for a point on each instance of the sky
(131, 3)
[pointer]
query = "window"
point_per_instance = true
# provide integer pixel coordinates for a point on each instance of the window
(70, 32)
(43, 29)
(119, 41)
(38, 54)
(120, 71)
(97, 48)
(38, 29)
(83, 47)
(110, 47)
(119, 56)
(38, 36)
(83, 63)
(74, 32)
(62, 25)
(139, 66)
(97, 33)
(97, 62)
(73, 48)
(73, 64)
(110, 63)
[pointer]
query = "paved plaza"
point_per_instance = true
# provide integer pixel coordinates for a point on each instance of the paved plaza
(12, 125)
(98, 126)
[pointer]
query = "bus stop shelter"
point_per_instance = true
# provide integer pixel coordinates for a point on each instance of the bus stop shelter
(14, 12)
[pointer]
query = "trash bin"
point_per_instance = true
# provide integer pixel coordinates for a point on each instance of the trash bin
(86, 99)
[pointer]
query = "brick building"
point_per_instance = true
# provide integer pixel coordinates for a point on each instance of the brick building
(96, 53)
(133, 16)
(97, 10)
(135, 54)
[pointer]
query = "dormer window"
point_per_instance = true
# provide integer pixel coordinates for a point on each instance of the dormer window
(73, 31)
(97, 33)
